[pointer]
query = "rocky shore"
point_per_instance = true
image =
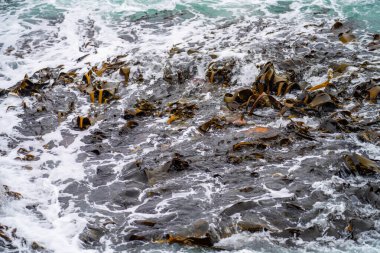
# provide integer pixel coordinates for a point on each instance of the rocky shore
(174, 150)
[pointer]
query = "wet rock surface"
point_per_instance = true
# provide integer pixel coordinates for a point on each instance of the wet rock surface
(172, 159)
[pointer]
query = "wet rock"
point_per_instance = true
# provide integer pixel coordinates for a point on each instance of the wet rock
(246, 189)
(288, 233)
(192, 241)
(311, 233)
(116, 196)
(357, 226)
(49, 165)
(255, 174)
(252, 227)
(375, 44)
(180, 73)
(340, 27)
(126, 128)
(337, 227)
(198, 234)
(95, 137)
(37, 247)
(79, 189)
(368, 194)
(339, 122)
(176, 164)
(246, 156)
(148, 223)
(91, 235)
(308, 234)
(293, 206)
(137, 238)
(104, 174)
(239, 207)
(134, 172)
(36, 124)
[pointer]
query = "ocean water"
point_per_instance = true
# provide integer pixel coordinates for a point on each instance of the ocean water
(36, 34)
(79, 34)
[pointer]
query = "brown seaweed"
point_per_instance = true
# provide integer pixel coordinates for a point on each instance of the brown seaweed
(180, 111)
(361, 165)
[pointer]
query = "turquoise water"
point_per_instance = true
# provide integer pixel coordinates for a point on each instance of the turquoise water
(61, 23)
(365, 12)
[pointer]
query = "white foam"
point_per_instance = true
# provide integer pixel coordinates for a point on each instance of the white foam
(54, 228)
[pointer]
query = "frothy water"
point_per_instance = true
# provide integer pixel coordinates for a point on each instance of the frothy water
(62, 191)
(37, 34)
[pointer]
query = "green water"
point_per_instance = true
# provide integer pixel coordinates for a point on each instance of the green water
(364, 13)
